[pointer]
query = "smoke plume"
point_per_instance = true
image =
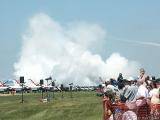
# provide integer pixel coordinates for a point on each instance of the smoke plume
(64, 52)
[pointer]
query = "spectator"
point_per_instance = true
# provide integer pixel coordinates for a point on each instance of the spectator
(154, 93)
(131, 90)
(120, 78)
(142, 75)
(142, 91)
(109, 86)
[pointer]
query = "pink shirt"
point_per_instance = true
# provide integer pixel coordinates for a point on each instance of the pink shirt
(142, 78)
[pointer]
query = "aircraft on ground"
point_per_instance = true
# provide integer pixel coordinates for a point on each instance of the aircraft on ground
(13, 85)
(3, 88)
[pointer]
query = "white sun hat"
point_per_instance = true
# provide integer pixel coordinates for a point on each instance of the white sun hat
(130, 79)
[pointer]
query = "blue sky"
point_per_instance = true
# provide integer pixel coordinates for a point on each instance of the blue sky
(124, 20)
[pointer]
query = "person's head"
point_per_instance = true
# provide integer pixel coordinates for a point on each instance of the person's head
(153, 84)
(153, 78)
(158, 83)
(142, 71)
(135, 82)
(121, 86)
(100, 86)
(146, 80)
(107, 83)
(120, 74)
(131, 80)
(110, 94)
(127, 83)
(112, 81)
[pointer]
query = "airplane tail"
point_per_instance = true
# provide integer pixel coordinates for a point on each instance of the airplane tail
(34, 82)
(17, 81)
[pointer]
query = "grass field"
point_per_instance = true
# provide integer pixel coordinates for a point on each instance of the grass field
(83, 106)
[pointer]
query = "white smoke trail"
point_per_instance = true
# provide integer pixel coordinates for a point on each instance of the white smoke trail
(152, 44)
(64, 52)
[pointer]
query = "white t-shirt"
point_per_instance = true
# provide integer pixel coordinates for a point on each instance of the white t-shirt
(142, 92)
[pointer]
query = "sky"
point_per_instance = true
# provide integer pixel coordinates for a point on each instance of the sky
(132, 27)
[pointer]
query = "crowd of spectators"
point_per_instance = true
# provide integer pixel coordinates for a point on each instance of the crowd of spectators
(134, 92)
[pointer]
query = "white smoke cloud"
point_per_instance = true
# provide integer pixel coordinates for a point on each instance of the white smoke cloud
(64, 52)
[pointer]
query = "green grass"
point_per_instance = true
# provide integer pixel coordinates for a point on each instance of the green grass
(83, 106)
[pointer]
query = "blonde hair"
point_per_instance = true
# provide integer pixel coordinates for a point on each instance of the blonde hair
(142, 70)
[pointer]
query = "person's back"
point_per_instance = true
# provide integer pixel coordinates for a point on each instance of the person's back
(142, 92)
(130, 93)
(133, 89)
